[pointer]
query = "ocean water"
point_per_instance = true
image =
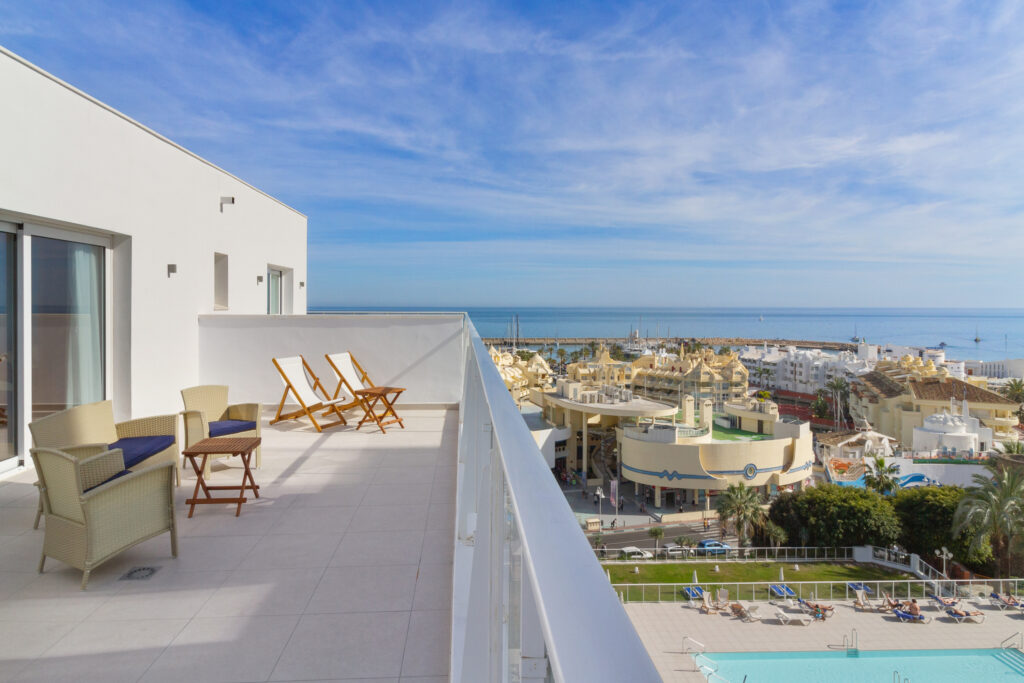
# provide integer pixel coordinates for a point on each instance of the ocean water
(1001, 330)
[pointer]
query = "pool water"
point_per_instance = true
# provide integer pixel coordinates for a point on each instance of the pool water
(917, 666)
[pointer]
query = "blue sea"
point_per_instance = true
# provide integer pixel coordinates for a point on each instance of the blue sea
(1001, 330)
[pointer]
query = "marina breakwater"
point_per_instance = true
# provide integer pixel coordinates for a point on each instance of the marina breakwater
(672, 341)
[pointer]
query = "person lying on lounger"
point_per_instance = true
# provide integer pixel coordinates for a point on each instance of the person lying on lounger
(1010, 600)
(949, 602)
(965, 613)
(889, 603)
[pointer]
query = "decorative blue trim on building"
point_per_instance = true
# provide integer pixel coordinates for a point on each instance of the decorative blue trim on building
(665, 474)
(749, 472)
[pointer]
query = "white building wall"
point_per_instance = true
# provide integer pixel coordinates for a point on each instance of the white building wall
(73, 163)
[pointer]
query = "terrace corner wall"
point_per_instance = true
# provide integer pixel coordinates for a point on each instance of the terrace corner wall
(423, 352)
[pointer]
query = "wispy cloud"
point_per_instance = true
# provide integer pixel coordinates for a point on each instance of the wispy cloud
(534, 153)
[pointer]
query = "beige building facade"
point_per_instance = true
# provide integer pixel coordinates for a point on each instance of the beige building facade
(704, 375)
(896, 403)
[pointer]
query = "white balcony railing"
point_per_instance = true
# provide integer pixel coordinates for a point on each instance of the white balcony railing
(530, 601)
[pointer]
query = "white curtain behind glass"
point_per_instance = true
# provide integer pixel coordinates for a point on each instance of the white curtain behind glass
(85, 324)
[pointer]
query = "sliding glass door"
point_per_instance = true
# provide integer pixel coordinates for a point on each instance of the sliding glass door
(68, 323)
(8, 339)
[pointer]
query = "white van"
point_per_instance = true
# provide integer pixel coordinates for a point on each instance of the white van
(633, 553)
(673, 550)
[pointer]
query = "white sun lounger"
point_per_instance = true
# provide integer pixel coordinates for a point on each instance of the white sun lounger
(801, 619)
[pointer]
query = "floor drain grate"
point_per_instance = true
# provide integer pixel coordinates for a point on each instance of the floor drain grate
(139, 574)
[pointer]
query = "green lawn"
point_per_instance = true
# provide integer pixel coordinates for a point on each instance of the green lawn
(829, 579)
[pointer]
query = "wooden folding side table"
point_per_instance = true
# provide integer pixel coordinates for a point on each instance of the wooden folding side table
(243, 448)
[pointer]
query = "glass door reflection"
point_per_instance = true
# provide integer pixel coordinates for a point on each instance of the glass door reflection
(67, 325)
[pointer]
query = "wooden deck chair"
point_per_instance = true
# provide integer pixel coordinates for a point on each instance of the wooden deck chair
(354, 379)
(300, 380)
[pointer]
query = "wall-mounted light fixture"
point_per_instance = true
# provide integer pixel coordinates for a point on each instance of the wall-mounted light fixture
(172, 268)
(226, 200)
(302, 284)
(259, 279)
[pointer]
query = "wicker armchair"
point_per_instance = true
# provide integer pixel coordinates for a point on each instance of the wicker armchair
(144, 442)
(207, 414)
(95, 508)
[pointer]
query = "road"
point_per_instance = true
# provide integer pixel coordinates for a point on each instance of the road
(641, 539)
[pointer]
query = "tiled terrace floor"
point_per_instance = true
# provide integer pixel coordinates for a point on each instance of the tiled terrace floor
(340, 571)
(662, 627)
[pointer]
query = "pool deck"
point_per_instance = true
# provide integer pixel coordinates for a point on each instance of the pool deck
(662, 627)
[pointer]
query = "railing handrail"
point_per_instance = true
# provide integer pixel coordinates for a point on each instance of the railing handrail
(760, 591)
(1008, 641)
(696, 642)
(569, 588)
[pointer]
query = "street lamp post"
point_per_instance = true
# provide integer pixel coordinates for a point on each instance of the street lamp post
(944, 555)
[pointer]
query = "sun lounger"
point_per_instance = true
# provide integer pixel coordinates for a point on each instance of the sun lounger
(748, 614)
(960, 616)
(785, 619)
(368, 396)
(783, 593)
(943, 603)
(815, 611)
(723, 598)
(997, 600)
(302, 383)
(863, 601)
(706, 607)
(889, 604)
(908, 617)
(694, 594)
(854, 586)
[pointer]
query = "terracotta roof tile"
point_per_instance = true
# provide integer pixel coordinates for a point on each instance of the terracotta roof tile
(934, 389)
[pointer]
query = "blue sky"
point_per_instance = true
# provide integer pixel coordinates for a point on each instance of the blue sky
(719, 154)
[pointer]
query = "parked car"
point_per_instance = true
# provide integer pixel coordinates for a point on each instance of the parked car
(712, 547)
(673, 550)
(633, 553)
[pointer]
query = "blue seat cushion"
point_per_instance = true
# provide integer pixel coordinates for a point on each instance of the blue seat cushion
(138, 448)
(116, 476)
(225, 427)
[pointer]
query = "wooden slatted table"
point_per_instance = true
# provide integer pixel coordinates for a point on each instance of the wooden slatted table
(243, 448)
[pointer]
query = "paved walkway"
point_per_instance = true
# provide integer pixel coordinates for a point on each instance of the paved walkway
(662, 627)
(340, 571)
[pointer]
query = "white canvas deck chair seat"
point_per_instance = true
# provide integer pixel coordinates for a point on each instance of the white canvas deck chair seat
(369, 397)
(302, 383)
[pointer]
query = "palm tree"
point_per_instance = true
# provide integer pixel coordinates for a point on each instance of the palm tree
(881, 477)
(1013, 447)
(775, 534)
(561, 353)
(741, 507)
(657, 533)
(840, 392)
(1014, 390)
(994, 509)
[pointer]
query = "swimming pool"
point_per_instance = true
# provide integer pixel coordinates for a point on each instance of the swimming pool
(934, 666)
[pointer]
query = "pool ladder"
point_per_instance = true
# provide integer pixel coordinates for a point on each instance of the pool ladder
(1016, 642)
(851, 643)
(896, 678)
